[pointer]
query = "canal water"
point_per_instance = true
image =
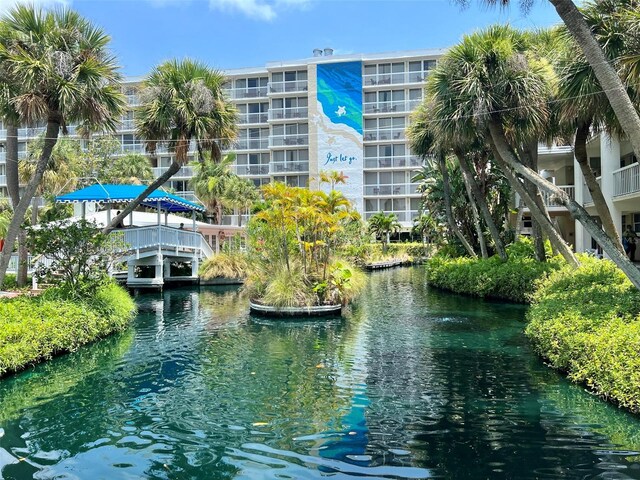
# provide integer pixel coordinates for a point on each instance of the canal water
(412, 383)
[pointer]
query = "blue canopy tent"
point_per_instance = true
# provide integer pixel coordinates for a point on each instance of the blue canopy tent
(108, 194)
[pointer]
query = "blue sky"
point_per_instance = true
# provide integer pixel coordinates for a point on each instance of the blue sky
(242, 33)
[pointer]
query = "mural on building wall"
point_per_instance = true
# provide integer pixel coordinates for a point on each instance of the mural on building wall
(338, 125)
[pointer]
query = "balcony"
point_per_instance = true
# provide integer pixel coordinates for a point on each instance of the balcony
(284, 167)
(33, 131)
(393, 162)
(133, 148)
(586, 195)
(391, 190)
(132, 99)
(127, 124)
(184, 172)
(251, 169)
(393, 78)
(288, 113)
(249, 92)
(252, 144)
(289, 140)
(383, 134)
(245, 118)
(392, 106)
(289, 87)
(22, 154)
(546, 196)
(626, 180)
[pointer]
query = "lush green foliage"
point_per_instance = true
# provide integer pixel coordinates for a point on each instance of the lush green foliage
(586, 323)
(79, 253)
(225, 265)
(409, 252)
(511, 280)
(36, 328)
(293, 242)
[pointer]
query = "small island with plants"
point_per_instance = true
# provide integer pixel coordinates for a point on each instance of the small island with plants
(293, 245)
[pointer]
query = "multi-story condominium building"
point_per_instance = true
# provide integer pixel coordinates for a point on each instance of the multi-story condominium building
(327, 112)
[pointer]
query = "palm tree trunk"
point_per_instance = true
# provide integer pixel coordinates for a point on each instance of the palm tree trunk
(51, 137)
(519, 218)
(603, 70)
(468, 176)
(576, 210)
(157, 183)
(446, 187)
(476, 218)
(580, 151)
(529, 156)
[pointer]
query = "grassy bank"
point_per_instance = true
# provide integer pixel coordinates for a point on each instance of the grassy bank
(586, 323)
(33, 329)
(491, 278)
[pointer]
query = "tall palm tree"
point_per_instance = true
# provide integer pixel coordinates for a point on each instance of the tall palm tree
(66, 75)
(603, 69)
(182, 101)
(492, 80)
(210, 182)
(383, 225)
(240, 194)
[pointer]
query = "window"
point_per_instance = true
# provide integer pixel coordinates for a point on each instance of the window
(369, 69)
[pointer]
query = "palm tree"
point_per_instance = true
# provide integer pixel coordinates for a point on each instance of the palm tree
(182, 101)
(240, 194)
(383, 225)
(492, 80)
(131, 168)
(333, 177)
(209, 183)
(66, 75)
(603, 69)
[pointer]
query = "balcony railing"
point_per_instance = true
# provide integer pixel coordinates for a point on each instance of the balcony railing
(291, 86)
(127, 124)
(288, 140)
(375, 135)
(132, 99)
(249, 92)
(394, 189)
(586, 195)
(393, 162)
(626, 180)
(245, 118)
(283, 167)
(133, 148)
(3, 155)
(251, 169)
(285, 113)
(394, 78)
(546, 196)
(252, 144)
(391, 106)
(185, 171)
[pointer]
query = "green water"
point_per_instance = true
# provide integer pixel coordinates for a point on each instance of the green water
(413, 383)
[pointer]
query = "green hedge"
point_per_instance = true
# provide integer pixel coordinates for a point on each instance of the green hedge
(586, 323)
(512, 280)
(37, 328)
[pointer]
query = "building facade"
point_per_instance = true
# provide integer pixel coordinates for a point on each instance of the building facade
(297, 118)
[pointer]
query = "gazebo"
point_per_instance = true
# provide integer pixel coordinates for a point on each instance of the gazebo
(149, 250)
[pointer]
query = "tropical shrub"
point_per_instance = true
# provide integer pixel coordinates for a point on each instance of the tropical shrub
(233, 264)
(586, 323)
(37, 328)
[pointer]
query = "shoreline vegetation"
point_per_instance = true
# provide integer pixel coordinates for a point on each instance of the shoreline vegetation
(37, 328)
(585, 321)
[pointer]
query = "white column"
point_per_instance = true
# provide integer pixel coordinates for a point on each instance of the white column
(581, 235)
(193, 218)
(610, 161)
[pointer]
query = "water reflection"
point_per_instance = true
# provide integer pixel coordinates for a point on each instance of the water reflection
(413, 383)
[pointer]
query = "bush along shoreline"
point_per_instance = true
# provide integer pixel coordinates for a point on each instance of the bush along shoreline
(583, 322)
(33, 329)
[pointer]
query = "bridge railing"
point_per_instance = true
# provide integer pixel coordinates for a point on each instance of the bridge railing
(138, 238)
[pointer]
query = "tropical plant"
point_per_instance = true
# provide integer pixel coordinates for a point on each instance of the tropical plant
(62, 74)
(182, 101)
(210, 182)
(240, 194)
(332, 177)
(382, 226)
(132, 168)
(225, 265)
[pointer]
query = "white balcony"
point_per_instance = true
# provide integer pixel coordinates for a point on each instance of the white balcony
(285, 167)
(546, 196)
(391, 190)
(127, 124)
(626, 180)
(383, 134)
(133, 148)
(381, 79)
(132, 99)
(249, 118)
(252, 144)
(289, 140)
(288, 113)
(184, 172)
(391, 106)
(249, 92)
(288, 87)
(251, 169)
(393, 162)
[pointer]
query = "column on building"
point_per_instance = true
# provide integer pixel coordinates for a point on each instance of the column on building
(581, 236)
(610, 161)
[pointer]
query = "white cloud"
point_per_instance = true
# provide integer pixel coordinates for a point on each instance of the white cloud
(8, 4)
(258, 9)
